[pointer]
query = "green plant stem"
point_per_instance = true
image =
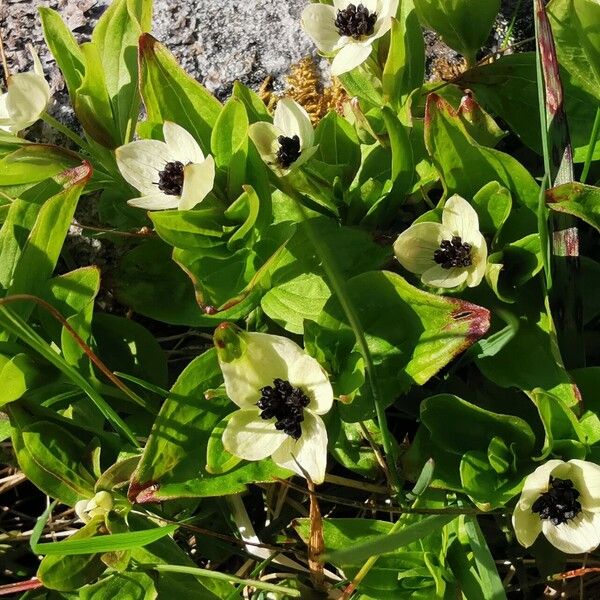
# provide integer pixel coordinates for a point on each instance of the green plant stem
(338, 286)
(566, 292)
(511, 26)
(207, 573)
(591, 147)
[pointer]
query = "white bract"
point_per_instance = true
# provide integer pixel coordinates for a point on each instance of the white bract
(281, 392)
(169, 174)
(445, 254)
(562, 501)
(99, 505)
(26, 99)
(348, 30)
(287, 143)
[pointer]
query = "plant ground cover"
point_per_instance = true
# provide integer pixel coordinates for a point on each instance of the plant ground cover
(350, 354)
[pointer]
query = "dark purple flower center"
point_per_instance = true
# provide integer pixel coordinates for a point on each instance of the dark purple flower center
(453, 253)
(559, 504)
(289, 150)
(355, 21)
(285, 403)
(170, 179)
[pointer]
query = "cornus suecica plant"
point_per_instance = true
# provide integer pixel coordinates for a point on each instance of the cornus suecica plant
(339, 339)
(348, 30)
(288, 142)
(281, 393)
(446, 254)
(562, 501)
(169, 174)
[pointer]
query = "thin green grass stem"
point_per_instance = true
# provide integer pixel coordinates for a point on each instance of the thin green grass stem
(591, 147)
(208, 574)
(338, 286)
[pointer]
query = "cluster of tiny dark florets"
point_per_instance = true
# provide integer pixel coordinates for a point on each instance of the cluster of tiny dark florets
(355, 21)
(286, 404)
(289, 150)
(453, 253)
(170, 179)
(559, 504)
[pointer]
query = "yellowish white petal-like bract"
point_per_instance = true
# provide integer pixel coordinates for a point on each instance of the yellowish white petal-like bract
(99, 505)
(26, 98)
(446, 254)
(561, 500)
(173, 174)
(288, 142)
(281, 392)
(348, 29)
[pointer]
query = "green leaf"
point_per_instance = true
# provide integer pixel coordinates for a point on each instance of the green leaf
(124, 344)
(19, 221)
(544, 369)
(508, 88)
(287, 302)
(352, 449)
(115, 38)
(121, 586)
(92, 102)
(493, 203)
(403, 168)
(229, 144)
(361, 83)
(471, 426)
(18, 374)
(560, 422)
(191, 229)
(34, 163)
(66, 573)
(402, 325)
(404, 69)
(491, 584)
(50, 457)
(390, 542)
(176, 448)
(64, 48)
(292, 302)
(218, 460)
(462, 24)
(246, 209)
(484, 485)
(338, 145)
(582, 201)
(73, 294)
(235, 481)
(44, 243)
(145, 277)
(575, 30)
(509, 269)
(170, 94)
(105, 543)
(255, 107)
(465, 166)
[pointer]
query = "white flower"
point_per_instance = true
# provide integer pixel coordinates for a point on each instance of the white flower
(169, 174)
(99, 505)
(348, 30)
(562, 501)
(26, 99)
(289, 141)
(445, 254)
(281, 391)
